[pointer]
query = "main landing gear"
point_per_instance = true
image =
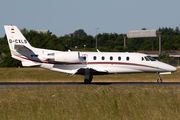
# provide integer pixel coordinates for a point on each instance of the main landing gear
(88, 80)
(159, 80)
(88, 77)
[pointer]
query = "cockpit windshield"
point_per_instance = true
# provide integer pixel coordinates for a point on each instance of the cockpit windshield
(146, 58)
(152, 59)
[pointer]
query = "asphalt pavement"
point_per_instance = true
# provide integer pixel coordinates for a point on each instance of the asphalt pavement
(44, 84)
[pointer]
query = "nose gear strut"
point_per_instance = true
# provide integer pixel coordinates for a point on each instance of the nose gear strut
(159, 80)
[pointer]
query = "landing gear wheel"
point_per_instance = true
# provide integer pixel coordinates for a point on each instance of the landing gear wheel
(88, 76)
(159, 80)
(87, 81)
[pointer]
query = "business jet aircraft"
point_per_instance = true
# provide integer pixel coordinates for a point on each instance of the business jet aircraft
(83, 63)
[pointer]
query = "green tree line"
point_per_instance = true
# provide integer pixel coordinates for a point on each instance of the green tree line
(79, 40)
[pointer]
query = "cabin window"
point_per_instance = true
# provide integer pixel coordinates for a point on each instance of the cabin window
(103, 57)
(84, 58)
(111, 58)
(127, 58)
(94, 57)
(119, 58)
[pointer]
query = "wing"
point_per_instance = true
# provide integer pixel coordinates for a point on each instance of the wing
(93, 71)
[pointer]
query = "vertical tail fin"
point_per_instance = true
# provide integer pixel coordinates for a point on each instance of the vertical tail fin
(19, 47)
(15, 37)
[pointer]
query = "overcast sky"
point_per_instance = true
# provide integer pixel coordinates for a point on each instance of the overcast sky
(110, 16)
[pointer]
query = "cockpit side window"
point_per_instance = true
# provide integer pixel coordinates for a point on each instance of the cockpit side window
(142, 59)
(151, 58)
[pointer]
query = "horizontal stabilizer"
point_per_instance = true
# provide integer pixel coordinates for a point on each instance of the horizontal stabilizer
(21, 48)
(30, 63)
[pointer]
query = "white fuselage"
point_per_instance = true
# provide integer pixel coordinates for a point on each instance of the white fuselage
(107, 62)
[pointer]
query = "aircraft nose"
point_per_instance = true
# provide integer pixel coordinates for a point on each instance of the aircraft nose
(168, 68)
(171, 68)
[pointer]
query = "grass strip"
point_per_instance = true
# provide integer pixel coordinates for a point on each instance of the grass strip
(90, 102)
(43, 75)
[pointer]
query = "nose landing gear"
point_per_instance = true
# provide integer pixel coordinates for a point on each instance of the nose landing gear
(159, 80)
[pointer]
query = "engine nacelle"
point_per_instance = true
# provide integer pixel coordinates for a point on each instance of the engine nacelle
(69, 57)
(63, 57)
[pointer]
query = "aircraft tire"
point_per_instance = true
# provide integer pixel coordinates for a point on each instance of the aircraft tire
(87, 81)
(159, 80)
